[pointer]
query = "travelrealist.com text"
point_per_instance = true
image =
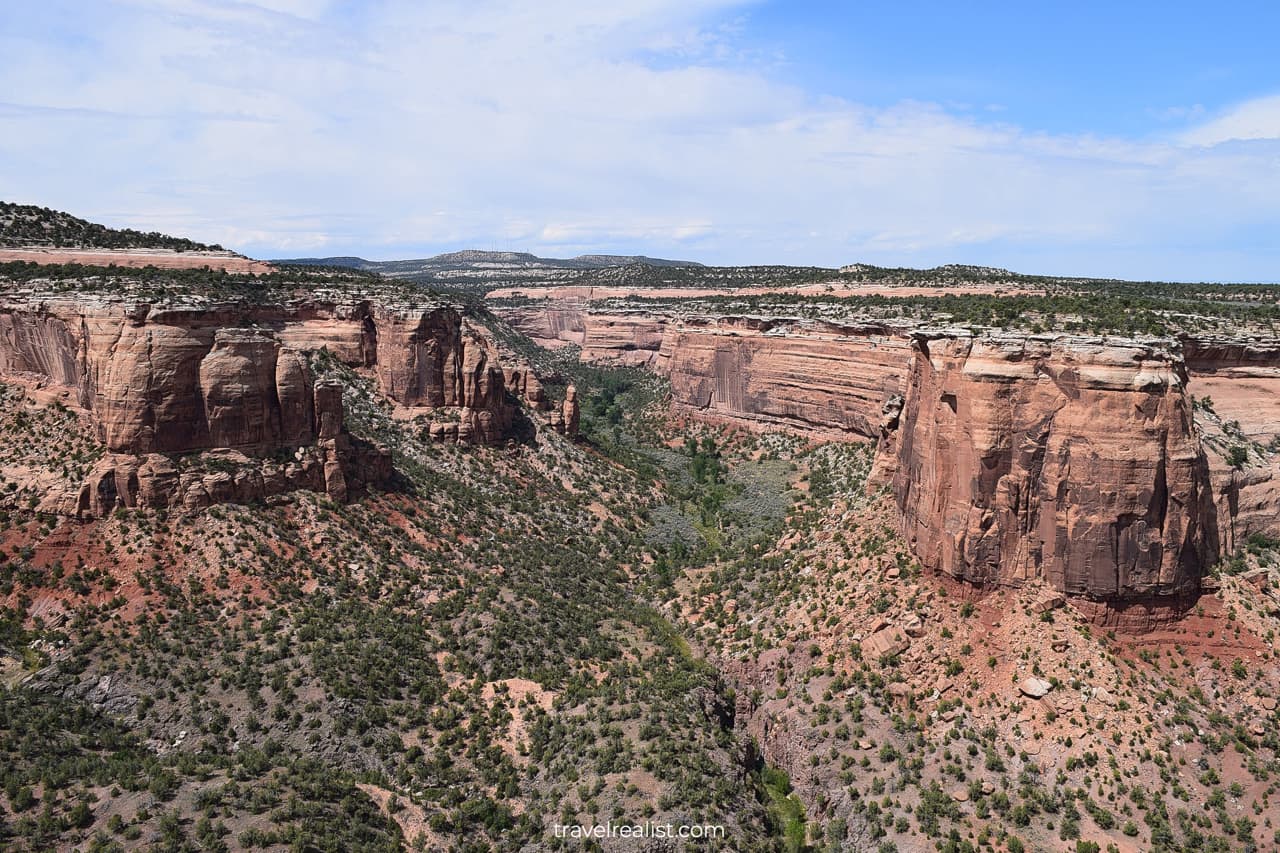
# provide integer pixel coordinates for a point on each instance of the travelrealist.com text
(638, 830)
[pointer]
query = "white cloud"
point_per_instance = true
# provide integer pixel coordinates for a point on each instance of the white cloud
(567, 125)
(1256, 119)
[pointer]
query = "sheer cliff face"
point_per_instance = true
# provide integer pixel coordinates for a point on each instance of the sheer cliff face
(163, 381)
(1067, 459)
(633, 340)
(812, 376)
(182, 380)
(433, 360)
(826, 379)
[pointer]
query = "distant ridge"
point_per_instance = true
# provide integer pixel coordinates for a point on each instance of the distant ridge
(475, 258)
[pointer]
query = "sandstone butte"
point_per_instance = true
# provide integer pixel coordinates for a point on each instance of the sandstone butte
(1063, 458)
(159, 381)
(1012, 458)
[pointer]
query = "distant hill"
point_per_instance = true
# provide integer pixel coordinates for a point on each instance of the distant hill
(26, 225)
(474, 259)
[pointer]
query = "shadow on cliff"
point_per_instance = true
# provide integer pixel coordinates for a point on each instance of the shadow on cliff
(523, 430)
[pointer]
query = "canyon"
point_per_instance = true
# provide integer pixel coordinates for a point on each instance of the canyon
(1075, 460)
(801, 542)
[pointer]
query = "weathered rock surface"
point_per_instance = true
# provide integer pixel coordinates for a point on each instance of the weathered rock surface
(565, 418)
(431, 359)
(156, 481)
(808, 375)
(1238, 356)
(633, 340)
(885, 643)
(823, 378)
(1074, 461)
(335, 464)
(524, 383)
(1069, 459)
(173, 380)
(239, 385)
(194, 378)
(1034, 687)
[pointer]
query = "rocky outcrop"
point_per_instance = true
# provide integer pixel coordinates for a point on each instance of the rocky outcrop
(1236, 381)
(430, 359)
(160, 381)
(823, 378)
(333, 463)
(807, 375)
(524, 383)
(565, 418)
(633, 340)
(1071, 459)
(1211, 355)
(1067, 459)
(253, 394)
(157, 481)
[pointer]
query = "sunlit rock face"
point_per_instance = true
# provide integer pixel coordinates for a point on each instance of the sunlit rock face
(173, 380)
(1065, 458)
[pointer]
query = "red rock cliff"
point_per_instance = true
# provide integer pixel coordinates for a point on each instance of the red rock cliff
(432, 359)
(173, 380)
(165, 380)
(621, 338)
(1067, 459)
(815, 376)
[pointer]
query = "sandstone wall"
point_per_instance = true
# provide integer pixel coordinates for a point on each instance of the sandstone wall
(1241, 376)
(821, 378)
(812, 376)
(633, 340)
(175, 380)
(431, 359)
(157, 381)
(1211, 355)
(1064, 458)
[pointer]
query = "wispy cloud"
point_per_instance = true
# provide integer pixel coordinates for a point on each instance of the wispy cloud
(1255, 119)
(397, 127)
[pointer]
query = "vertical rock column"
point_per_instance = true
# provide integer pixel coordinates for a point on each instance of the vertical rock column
(329, 416)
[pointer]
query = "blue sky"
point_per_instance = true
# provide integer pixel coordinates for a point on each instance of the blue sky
(1137, 140)
(1130, 68)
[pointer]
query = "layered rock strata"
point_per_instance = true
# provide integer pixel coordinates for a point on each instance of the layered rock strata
(820, 377)
(192, 378)
(161, 381)
(633, 340)
(1066, 458)
(814, 376)
(1069, 459)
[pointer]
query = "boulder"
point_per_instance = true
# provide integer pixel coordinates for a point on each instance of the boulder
(885, 643)
(1034, 687)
